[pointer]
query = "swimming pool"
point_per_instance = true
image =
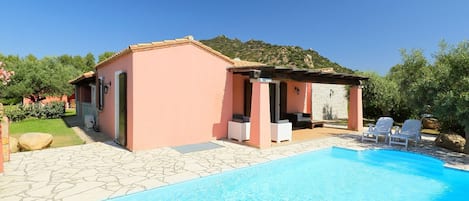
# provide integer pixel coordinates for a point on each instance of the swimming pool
(328, 174)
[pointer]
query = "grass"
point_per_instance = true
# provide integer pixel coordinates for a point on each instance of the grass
(63, 135)
(430, 131)
(70, 112)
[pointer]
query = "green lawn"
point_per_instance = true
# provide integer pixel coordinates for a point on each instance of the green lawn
(70, 112)
(63, 135)
(430, 131)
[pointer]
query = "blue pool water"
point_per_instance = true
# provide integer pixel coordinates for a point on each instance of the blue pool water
(328, 174)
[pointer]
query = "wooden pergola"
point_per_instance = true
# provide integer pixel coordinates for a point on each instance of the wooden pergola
(262, 75)
(301, 75)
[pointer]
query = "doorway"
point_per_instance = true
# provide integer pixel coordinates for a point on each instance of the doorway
(278, 100)
(283, 100)
(247, 97)
(121, 108)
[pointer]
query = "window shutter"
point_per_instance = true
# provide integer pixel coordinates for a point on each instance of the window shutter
(100, 93)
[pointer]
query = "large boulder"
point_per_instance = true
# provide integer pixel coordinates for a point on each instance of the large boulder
(14, 145)
(35, 141)
(430, 123)
(452, 142)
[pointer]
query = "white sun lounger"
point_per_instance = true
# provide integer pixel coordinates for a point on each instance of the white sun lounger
(382, 128)
(410, 131)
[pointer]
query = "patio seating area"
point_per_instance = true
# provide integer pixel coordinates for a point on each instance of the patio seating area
(301, 135)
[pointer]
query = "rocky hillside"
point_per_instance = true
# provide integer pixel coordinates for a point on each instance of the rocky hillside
(256, 50)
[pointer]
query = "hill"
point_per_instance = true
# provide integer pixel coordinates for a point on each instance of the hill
(278, 55)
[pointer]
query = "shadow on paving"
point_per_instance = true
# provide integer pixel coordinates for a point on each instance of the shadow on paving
(88, 135)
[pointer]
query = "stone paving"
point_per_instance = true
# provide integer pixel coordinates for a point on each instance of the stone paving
(87, 135)
(98, 171)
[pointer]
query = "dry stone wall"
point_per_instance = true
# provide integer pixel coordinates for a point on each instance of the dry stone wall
(329, 102)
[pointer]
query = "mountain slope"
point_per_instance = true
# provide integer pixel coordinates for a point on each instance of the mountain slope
(256, 50)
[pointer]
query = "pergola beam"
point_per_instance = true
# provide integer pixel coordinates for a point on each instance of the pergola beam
(302, 75)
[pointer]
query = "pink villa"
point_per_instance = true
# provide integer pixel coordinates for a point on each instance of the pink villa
(178, 92)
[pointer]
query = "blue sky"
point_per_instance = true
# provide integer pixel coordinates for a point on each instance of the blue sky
(363, 35)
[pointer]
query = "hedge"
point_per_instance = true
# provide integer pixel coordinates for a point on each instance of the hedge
(50, 110)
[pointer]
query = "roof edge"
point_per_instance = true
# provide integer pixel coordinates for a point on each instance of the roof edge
(163, 44)
(113, 57)
(273, 67)
(83, 76)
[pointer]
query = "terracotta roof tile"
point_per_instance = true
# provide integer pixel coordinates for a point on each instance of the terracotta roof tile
(186, 40)
(162, 44)
(328, 70)
(82, 77)
(242, 63)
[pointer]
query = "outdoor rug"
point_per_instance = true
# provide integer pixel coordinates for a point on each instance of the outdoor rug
(184, 149)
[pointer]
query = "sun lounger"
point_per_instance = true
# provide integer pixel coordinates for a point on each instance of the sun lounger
(410, 131)
(382, 128)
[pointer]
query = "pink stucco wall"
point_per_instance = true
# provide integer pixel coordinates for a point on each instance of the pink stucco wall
(181, 95)
(309, 96)
(106, 116)
(260, 115)
(238, 94)
(298, 102)
(355, 114)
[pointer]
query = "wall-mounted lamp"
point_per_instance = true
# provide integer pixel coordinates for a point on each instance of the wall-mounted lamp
(107, 86)
(297, 90)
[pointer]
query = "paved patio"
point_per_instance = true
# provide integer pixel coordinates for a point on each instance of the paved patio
(98, 171)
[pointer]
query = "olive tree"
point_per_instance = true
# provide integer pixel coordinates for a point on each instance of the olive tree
(35, 79)
(451, 104)
(415, 81)
(380, 95)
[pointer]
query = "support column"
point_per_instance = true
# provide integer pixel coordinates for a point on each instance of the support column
(260, 114)
(309, 98)
(355, 113)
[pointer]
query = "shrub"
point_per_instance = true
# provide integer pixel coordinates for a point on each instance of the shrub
(50, 110)
(54, 110)
(15, 113)
(10, 101)
(35, 110)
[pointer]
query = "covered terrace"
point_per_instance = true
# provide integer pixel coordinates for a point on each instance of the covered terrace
(268, 94)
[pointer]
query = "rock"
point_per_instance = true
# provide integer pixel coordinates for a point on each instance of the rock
(452, 142)
(35, 141)
(14, 145)
(430, 123)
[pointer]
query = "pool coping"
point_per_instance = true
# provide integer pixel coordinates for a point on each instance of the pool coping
(445, 164)
(100, 171)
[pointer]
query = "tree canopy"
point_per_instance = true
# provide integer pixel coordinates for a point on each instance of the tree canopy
(35, 78)
(380, 95)
(451, 103)
(104, 56)
(419, 87)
